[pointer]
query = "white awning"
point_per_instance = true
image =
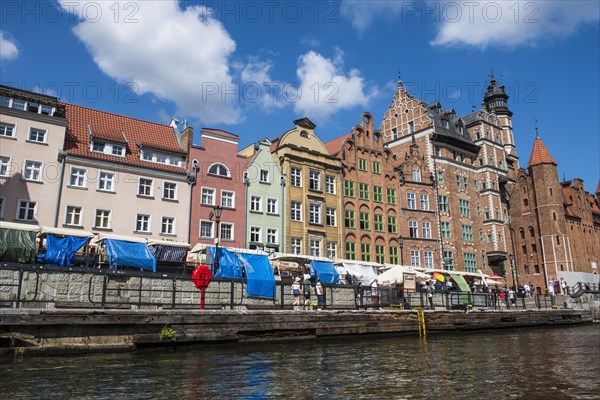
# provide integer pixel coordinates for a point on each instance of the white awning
(162, 242)
(65, 232)
(364, 273)
(20, 227)
(102, 236)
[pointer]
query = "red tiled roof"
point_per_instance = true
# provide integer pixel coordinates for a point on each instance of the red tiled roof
(334, 147)
(117, 128)
(275, 144)
(540, 154)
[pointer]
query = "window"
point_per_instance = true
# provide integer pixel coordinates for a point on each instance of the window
(296, 211)
(500, 238)
(376, 167)
(264, 176)
(413, 229)
(476, 185)
(467, 233)
(102, 219)
(332, 250)
(98, 147)
(118, 150)
(379, 253)
(330, 184)
(363, 191)
(443, 203)
(362, 164)
(428, 256)
(426, 228)
(490, 238)
(272, 206)
(226, 231)
(394, 255)
(411, 201)
(256, 203)
(37, 135)
(73, 216)
(365, 224)
(255, 234)
(349, 219)
(315, 247)
(142, 223)
(7, 130)
(227, 199)
(470, 262)
(108, 148)
(296, 177)
(1, 207)
(296, 246)
(365, 251)
(533, 248)
(438, 151)
(206, 229)
(33, 171)
(348, 188)
(145, 187)
(392, 227)
(77, 178)
(4, 166)
(465, 183)
(416, 175)
(531, 232)
(481, 236)
(167, 226)
(424, 198)
(394, 133)
(330, 217)
(458, 181)
(378, 222)
(448, 260)
(446, 232)
(170, 159)
(465, 207)
(27, 210)
(314, 180)
(106, 181)
(219, 170)
(208, 196)
(350, 251)
(440, 176)
(170, 191)
(378, 194)
(411, 127)
(391, 196)
(314, 213)
(272, 236)
(415, 258)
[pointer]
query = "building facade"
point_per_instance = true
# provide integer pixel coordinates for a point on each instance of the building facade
(32, 134)
(312, 192)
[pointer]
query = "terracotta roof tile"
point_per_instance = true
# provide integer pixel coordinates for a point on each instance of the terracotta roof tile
(334, 147)
(118, 128)
(540, 154)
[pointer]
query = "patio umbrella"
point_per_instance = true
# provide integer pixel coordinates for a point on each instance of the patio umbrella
(440, 277)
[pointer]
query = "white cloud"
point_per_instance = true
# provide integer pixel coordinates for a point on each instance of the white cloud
(325, 88)
(8, 49)
(257, 86)
(512, 23)
(362, 13)
(179, 55)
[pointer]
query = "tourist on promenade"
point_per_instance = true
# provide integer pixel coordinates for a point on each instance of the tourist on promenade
(531, 289)
(319, 293)
(512, 297)
(556, 287)
(296, 292)
(430, 292)
(527, 290)
(306, 291)
(551, 287)
(358, 293)
(563, 285)
(375, 293)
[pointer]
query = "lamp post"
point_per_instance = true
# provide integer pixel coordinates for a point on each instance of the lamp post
(401, 243)
(511, 258)
(218, 211)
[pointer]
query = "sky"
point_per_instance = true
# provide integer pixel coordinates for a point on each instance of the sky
(252, 68)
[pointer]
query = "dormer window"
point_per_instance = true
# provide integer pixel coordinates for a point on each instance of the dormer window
(118, 150)
(446, 124)
(219, 170)
(111, 149)
(161, 158)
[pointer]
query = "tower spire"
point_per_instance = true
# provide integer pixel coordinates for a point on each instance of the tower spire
(400, 79)
(537, 135)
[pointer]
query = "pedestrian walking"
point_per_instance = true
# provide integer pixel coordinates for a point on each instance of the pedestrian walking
(306, 292)
(296, 293)
(563, 285)
(430, 290)
(375, 293)
(320, 294)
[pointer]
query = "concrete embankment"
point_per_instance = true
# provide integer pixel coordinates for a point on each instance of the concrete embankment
(46, 331)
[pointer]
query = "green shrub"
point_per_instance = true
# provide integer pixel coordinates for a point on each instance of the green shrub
(167, 333)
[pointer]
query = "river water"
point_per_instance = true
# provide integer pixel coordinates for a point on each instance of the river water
(547, 363)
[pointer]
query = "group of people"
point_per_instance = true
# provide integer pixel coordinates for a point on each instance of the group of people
(556, 286)
(304, 288)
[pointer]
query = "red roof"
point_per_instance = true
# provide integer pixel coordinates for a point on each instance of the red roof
(334, 147)
(118, 128)
(540, 154)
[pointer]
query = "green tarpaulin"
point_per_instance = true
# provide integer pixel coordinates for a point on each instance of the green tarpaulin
(462, 284)
(17, 245)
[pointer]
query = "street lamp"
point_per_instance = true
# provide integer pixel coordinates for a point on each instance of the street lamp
(217, 215)
(401, 243)
(511, 258)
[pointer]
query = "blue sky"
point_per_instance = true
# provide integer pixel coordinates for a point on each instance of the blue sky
(253, 67)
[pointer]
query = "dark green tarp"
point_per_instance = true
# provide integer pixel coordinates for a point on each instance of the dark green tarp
(17, 245)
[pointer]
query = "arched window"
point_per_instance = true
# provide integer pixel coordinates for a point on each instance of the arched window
(219, 169)
(531, 232)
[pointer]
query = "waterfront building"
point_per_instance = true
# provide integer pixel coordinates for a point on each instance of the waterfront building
(219, 173)
(369, 195)
(125, 176)
(312, 192)
(556, 224)
(264, 199)
(32, 134)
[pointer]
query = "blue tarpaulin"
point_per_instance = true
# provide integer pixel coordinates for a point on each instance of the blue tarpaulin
(259, 273)
(229, 264)
(324, 270)
(61, 251)
(129, 254)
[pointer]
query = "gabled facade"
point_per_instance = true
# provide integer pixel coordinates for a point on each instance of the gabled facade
(369, 195)
(219, 181)
(264, 199)
(124, 176)
(32, 134)
(312, 192)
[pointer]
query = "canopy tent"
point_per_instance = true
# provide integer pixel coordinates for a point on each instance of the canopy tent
(259, 275)
(573, 278)
(62, 244)
(324, 271)
(127, 251)
(363, 273)
(17, 242)
(229, 264)
(49, 230)
(460, 281)
(395, 274)
(165, 250)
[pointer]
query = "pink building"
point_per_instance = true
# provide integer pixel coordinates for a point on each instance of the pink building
(219, 181)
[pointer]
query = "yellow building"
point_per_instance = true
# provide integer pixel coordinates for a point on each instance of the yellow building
(312, 192)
